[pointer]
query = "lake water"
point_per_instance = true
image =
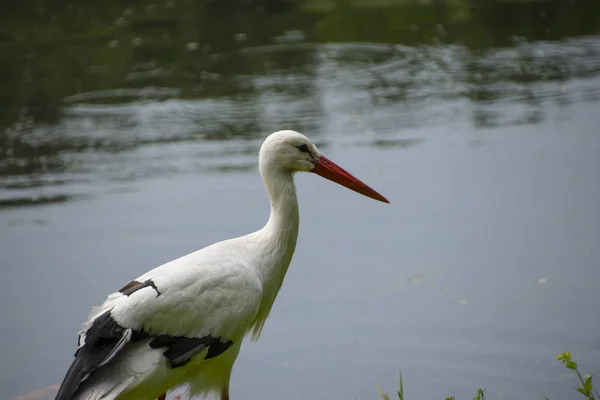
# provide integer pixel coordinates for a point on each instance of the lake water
(129, 137)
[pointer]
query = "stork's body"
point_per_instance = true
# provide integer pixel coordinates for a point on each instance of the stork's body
(184, 322)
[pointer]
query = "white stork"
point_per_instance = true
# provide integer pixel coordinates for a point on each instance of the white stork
(183, 322)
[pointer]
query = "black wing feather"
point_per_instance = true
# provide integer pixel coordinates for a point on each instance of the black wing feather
(106, 338)
(102, 341)
(180, 350)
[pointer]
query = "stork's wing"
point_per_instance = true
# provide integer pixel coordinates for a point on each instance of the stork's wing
(173, 309)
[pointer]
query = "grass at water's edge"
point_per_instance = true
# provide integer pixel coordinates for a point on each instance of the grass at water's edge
(587, 389)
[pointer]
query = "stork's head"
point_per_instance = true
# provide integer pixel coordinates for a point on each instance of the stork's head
(293, 152)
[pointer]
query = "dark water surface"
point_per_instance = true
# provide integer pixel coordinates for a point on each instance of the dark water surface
(129, 136)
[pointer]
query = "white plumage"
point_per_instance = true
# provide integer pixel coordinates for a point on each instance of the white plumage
(184, 322)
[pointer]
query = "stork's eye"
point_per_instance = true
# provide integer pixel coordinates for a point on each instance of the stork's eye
(303, 148)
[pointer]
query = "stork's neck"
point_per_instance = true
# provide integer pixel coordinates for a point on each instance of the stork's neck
(280, 233)
(276, 241)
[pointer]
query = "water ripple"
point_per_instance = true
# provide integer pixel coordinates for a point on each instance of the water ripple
(332, 91)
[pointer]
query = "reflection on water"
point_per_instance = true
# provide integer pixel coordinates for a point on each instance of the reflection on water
(383, 89)
(101, 98)
(91, 103)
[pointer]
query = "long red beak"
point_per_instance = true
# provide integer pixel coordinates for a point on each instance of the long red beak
(330, 170)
